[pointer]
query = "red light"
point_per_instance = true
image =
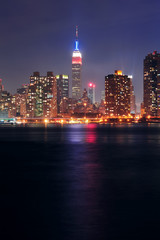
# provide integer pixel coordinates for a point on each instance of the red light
(91, 85)
(76, 60)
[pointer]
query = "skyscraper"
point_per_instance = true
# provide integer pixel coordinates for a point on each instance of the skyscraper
(62, 88)
(133, 98)
(50, 96)
(5, 101)
(1, 88)
(91, 92)
(76, 70)
(117, 94)
(152, 84)
(42, 96)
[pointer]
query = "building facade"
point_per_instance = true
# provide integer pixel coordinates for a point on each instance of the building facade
(67, 106)
(50, 96)
(117, 94)
(42, 96)
(152, 84)
(76, 70)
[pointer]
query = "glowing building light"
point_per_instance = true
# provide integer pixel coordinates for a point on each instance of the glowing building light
(77, 58)
(65, 76)
(45, 120)
(130, 76)
(86, 121)
(118, 72)
(77, 61)
(76, 45)
(76, 54)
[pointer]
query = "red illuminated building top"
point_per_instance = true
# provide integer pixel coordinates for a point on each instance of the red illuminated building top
(77, 57)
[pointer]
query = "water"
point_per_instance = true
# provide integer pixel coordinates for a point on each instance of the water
(80, 182)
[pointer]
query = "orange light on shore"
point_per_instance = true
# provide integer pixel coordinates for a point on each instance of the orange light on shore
(148, 116)
(46, 120)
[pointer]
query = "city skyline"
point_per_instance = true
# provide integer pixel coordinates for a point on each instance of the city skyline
(80, 119)
(40, 41)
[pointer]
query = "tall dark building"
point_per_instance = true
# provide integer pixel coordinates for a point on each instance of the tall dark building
(117, 94)
(91, 92)
(76, 70)
(5, 101)
(62, 89)
(133, 98)
(152, 84)
(1, 88)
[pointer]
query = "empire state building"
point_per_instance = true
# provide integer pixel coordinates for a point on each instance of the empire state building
(76, 70)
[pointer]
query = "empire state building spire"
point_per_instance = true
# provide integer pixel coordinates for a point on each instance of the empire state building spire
(76, 32)
(77, 42)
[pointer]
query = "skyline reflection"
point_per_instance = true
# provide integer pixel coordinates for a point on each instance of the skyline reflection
(80, 182)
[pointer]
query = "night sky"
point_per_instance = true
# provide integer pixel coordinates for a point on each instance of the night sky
(39, 35)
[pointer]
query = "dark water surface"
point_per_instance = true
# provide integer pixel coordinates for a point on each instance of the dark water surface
(80, 182)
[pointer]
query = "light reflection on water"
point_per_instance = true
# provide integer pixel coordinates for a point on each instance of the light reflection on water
(87, 133)
(80, 182)
(130, 134)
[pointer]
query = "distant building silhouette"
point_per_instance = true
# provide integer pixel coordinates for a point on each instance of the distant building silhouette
(103, 95)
